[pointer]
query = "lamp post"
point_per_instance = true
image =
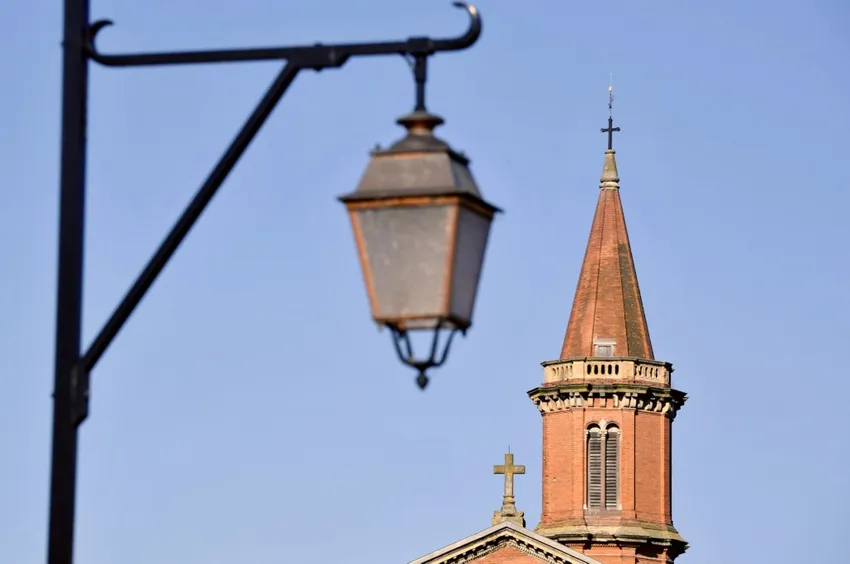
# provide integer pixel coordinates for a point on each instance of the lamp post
(419, 222)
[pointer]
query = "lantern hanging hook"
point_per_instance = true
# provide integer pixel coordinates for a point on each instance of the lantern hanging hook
(419, 65)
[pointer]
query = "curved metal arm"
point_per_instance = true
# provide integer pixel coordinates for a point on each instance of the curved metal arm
(316, 56)
(467, 39)
(298, 58)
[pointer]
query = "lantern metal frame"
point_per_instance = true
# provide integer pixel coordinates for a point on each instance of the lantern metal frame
(73, 364)
(404, 350)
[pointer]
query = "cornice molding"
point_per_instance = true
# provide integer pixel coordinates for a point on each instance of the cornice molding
(634, 534)
(566, 396)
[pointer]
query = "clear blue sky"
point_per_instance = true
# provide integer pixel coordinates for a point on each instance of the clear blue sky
(250, 412)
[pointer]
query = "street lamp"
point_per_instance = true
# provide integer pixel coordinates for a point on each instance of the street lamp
(420, 224)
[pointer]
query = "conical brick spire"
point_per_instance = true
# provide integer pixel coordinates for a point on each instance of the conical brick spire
(607, 318)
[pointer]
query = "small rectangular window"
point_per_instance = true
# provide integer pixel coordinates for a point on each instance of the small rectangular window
(603, 346)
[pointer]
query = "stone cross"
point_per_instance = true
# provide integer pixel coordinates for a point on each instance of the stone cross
(509, 511)
(508, 469)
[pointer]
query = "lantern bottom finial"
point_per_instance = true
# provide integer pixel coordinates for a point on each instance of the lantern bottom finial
(422, 381)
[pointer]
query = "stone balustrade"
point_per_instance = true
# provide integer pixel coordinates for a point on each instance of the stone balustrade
(651, 372)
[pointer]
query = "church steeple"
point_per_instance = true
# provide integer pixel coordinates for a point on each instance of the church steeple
(607, 317)
(608, 408)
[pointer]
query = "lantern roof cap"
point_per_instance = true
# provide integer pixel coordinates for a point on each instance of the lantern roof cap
(420, 138)
(418, 164)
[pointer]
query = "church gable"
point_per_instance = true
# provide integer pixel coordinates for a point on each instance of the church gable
(505, 543)
(508, 554)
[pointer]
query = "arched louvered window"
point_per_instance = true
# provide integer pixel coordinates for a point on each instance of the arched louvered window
(612, 468)
(594, 468)
(603, 467)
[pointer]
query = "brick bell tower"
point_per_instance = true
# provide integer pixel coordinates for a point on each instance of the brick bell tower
(608, 408)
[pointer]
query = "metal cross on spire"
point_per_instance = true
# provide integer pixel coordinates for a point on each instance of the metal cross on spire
(610, 129)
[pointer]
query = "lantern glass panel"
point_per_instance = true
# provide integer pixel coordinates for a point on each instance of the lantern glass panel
(407, 256)
(473, 230)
